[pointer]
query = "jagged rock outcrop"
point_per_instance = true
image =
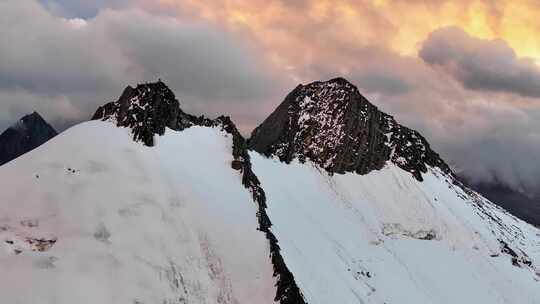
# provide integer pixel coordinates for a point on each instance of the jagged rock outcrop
(150, 108)
(28, 133)
(147, 109)
(287, 290)
(333, 125)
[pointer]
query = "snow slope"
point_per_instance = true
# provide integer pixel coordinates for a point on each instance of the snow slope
(94, 217)
(385, 237)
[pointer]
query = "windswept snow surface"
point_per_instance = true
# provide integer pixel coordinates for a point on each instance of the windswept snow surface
(94, 217)
(385, 237)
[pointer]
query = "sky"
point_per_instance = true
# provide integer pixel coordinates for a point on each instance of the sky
(465, 74)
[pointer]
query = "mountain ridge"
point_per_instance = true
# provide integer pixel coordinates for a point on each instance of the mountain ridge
(319, 122)
(328, 122)
(171, 208)
(264, 139)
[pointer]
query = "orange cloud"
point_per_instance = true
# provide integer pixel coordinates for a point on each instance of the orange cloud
(293, 30)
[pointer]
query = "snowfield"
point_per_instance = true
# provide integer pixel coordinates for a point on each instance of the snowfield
(94, 217)
(385, 237)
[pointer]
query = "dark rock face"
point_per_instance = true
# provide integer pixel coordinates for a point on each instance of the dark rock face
(147, 109)
(28, 133)
(333, 125)
(150, 108)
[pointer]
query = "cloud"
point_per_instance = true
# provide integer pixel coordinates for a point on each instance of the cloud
(485, 137)
(46, 55)
(57, 110)
(399, 25)
(506, 150)
(485, 65)
(85, 63)
(81, 8)
(195, 59)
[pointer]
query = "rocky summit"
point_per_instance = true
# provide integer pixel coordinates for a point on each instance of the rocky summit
(28, 133)
(147, 109)
(333, 125)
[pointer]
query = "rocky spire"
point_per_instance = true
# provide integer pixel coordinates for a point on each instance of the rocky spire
(147, 109)
(28, 133)
(333, 125)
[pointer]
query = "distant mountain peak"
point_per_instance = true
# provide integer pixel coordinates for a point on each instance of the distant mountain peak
(29, 119)
(333, 125)
(28, 133)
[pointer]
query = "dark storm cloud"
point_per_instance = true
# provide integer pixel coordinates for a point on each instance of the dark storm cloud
(48, 55)
(65, 68)
(373, 69)
(194, 59)
(81, 8)
(488, 65)
(506, 151)
(383, 82)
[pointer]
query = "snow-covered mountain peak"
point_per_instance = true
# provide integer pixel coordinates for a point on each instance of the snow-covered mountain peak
(333, 125)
